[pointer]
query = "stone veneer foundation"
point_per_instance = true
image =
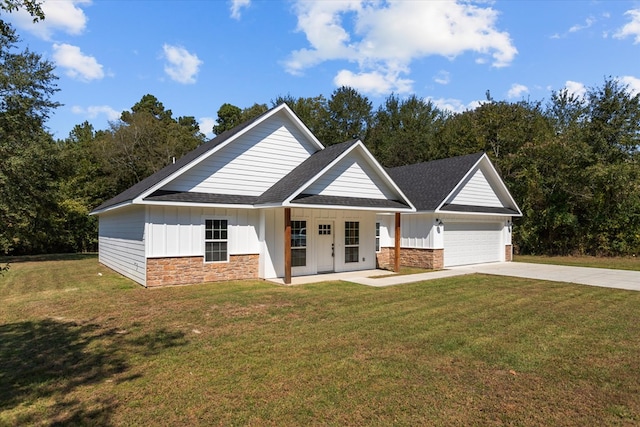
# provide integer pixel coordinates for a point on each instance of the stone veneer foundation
(431, 259)
(508, 253)
(190, 270)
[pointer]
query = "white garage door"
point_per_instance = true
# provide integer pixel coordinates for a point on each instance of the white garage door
(472, 243)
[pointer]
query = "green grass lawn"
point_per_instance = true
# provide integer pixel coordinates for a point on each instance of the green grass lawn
(77, 347)
(620, 263)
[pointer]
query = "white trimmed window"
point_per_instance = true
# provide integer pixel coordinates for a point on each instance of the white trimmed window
(216, 240)
(298, 243)
(377, 237)
(351, 241)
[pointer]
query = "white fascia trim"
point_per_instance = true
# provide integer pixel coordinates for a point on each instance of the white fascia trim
(439, 212)
(347, 208)
(110, 208)
(374, 163)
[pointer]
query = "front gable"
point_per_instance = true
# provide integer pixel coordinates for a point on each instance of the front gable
(353, 179)
(481, 191)
(351, 176)
(251, 164)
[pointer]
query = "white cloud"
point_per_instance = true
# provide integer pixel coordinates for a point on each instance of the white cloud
(633, 84)
(443, 77)
(383, 38)
(94, 111)
(632, 28)
(182, 66)
(587, 23)
(373, 82)
(77, 65)
(517, 90)
(206, 125)
(454, 105)
(60, 15)
(576, 88)
(237, 6)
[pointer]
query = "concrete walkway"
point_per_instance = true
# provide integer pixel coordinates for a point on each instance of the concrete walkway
(619, 279)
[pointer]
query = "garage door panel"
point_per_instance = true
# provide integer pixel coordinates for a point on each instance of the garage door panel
(469, 243)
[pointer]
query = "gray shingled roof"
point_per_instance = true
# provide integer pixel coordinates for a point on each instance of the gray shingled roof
(306, 170)
(428, 184)
(142, 186)
(314, 199)
(193, 197)
(481, 209)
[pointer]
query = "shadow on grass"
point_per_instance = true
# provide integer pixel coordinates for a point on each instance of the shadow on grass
(48, 360)
(47, 257)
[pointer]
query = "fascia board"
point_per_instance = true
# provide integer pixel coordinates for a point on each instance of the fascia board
(374, 163)
(347, 208)
(438, 211)
(110, 208)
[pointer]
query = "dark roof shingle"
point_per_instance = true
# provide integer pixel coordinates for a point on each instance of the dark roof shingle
(427, 184)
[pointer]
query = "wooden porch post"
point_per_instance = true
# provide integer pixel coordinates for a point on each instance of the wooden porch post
(287, 246)
(396, 264)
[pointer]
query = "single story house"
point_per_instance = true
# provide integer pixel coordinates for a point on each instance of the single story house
(268, 200)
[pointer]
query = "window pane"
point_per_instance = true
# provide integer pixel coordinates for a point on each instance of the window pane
(215, 251)
(298, 257)
(298, 234)
(351, 233)
(351, 254)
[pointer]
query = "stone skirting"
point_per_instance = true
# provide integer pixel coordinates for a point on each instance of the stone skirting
(508, 253)
(431, 259)
(189, 270)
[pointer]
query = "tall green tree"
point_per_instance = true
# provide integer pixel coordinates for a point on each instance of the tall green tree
(29, 167)
(349, 116)
(404, 131)
(144, 141)
(229, 116)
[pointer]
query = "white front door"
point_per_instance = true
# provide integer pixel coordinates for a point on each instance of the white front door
(325, 246)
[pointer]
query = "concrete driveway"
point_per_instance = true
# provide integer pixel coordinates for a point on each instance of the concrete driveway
(619, 279)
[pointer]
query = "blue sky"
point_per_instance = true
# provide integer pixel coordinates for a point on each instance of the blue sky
(196, 55)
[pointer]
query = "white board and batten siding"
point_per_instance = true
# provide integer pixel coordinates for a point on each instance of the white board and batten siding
(352, 176)
(121, 239)
(272, 253)
(251, 164)
(179, 231)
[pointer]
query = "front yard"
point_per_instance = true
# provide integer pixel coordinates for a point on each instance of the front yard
(79, 344)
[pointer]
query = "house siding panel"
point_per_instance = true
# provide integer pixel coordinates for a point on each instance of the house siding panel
(121, 243)
(250, 165)
(352, 176)
(179, 232)
(477, 192)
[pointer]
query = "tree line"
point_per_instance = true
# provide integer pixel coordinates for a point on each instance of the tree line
(571, 162)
